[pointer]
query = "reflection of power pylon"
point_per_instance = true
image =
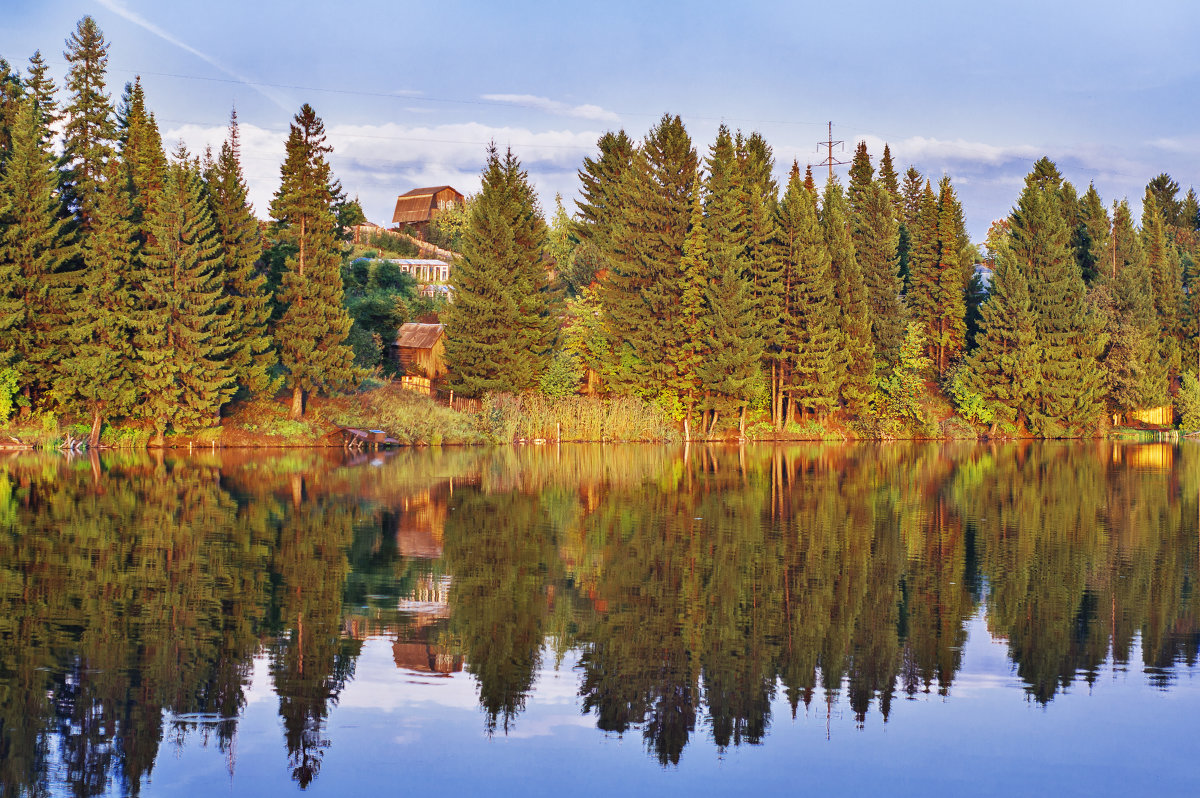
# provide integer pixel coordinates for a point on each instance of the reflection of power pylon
(829, 144)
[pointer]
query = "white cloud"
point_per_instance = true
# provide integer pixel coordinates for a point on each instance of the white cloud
(593, 112)
(379, 162)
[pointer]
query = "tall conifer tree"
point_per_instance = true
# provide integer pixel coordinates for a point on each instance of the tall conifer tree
(99, 370)
(642, 287)
(245, 288)
(36, 250)
(599, 205)
(1166, 275)
(182, 337)
(1070, 390)
(312, 332)
(856, 357)
(814, 362)
(498, 329)
(89, 134)
(876, 243)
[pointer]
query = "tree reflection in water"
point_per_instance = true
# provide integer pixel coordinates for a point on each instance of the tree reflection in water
(694, 584)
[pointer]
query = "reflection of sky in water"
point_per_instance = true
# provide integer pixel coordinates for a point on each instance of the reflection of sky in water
(399, 732)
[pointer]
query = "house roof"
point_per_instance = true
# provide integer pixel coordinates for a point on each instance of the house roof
(418, 336)
(419, 204)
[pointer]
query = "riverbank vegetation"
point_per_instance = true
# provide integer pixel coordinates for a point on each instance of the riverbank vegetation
(688, 295)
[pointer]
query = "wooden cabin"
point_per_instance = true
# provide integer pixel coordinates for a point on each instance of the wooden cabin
(420, 350)
(417, 208)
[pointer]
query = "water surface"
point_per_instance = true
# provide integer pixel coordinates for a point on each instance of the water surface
(840, 619)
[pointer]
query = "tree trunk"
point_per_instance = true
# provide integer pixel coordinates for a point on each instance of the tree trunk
(297, 404)
(742, 425)
(687, 434)
(712, 425)
(97, 422)
(160, 436)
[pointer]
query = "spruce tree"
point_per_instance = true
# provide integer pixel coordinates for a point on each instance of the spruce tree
(724, 203)
(99, 369)
(143, 161)
(1166, 275)
(314, 325)
(814, 358)
(89, 133)
(876, 244)
(687, 351)
(926, 278)
(642, 287)
(731, 365)
(1070, 388)
(947, 328)
(599, 206)
(862, 175)
(36, 250)
(1135, 373)
(245, 288)
(11, 92)
(182, 330)
(887, 176)
(499, 326)
(1003, 370)
(856, 358)
(1089, 239)
(41, 88)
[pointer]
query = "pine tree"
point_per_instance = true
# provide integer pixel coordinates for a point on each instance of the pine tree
(312, 331)
(244, 287)
(724, 203)
(856, 357)
(907, 210)
(89, 133)
(36, 250)
(814, 360)
(642, 286)
(182, 342)
(499, 327)
(99, 368)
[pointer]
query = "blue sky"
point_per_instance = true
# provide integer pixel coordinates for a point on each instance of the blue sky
(412, 92)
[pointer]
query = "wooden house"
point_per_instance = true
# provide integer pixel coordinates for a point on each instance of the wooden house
(420, 350)
(418, 207)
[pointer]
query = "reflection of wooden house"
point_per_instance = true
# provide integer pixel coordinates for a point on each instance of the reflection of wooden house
(1152, 456)
(420, 350)
(417, 208)
(420, 524)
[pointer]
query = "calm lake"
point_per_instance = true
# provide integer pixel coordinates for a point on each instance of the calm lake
(900, 619)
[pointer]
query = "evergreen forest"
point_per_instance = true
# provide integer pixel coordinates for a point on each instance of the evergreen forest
(139, 288)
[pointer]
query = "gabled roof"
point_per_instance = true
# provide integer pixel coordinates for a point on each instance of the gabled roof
(419, 204)
(418, 336)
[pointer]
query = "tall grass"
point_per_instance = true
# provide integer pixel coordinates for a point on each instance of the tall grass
(513, 417)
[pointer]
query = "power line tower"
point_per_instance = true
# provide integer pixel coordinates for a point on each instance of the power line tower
(829, 144)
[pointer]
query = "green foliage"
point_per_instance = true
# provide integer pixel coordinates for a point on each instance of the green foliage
(9, 386)
(531, 416)
(903, 390)
(970, 405)
(563, 376)
(1188, 402)
(499, 329)
(312, 330)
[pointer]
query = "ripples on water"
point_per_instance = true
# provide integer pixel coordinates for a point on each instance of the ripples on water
(620, 618)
